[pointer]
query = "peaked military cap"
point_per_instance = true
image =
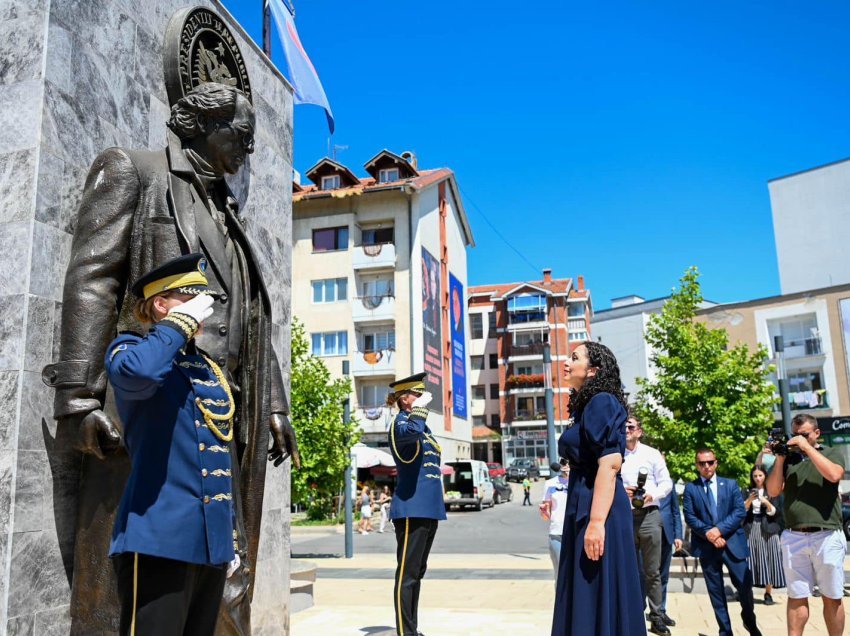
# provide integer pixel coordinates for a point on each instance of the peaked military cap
(184, 274)
(414, 383)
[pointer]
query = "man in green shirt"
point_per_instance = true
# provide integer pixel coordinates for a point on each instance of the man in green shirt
(813, 545)
(526, 492)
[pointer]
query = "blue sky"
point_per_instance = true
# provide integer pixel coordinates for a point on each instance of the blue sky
(620, 140)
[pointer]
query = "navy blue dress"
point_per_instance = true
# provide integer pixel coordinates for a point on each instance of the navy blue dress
(601, 597)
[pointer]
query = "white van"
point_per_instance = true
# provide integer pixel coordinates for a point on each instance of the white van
(468, 485)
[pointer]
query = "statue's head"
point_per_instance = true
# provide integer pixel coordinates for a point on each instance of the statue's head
(217, 121)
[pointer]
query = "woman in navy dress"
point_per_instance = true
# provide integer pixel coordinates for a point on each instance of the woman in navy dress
(598, 589)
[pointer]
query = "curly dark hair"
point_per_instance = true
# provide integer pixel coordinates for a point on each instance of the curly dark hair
(606, 380)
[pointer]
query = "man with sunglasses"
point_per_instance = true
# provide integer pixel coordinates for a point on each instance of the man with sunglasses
(648, 524)
(714, 510)
(813, 545)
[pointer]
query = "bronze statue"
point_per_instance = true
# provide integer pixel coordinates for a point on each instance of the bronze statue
(139, 209)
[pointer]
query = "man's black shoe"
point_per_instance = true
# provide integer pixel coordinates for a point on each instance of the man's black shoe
(667, 620)
(657, 626)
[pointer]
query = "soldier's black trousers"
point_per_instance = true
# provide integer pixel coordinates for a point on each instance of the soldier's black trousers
(162, 597)
(414, 537)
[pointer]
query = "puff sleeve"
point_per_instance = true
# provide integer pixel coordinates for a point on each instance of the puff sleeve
(603, 425)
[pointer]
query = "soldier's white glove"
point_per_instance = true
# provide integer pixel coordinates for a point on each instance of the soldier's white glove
(233, 565)
(423, 400)
(199, 308)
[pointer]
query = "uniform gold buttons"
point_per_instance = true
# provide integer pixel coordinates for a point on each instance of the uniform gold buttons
(205, 472)
(206, 499)
(202, 447)
(197, 424)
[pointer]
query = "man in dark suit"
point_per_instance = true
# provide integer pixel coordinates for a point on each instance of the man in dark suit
(671, 524)
(714, 509)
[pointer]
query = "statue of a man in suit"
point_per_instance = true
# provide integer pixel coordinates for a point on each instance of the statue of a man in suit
(139, 209)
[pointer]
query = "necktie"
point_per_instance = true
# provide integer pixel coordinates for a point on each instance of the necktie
(712, 502)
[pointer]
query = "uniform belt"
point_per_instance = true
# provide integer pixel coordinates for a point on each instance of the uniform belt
(812, 529)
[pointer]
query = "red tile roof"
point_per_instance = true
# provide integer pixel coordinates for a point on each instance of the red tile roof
(425, 179)
(555, 286)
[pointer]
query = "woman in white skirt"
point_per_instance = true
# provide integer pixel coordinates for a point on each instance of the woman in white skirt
(763, 526)
(365, 510)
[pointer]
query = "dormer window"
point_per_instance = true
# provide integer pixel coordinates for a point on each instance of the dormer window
(330, 182)
(388, 175)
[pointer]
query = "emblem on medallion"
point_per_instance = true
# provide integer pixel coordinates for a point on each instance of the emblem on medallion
(200, 48)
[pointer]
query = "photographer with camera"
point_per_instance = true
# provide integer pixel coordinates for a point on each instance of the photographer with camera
(647, 482)
(813, 545)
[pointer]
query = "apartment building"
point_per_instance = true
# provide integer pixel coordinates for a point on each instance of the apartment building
(379, 279)
(508, 326)
(815, 328)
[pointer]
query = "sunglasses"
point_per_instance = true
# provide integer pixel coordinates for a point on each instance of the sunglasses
(631, 427)
(710, 462)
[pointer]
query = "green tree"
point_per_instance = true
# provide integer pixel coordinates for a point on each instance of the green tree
(323, 438)
(704, 394)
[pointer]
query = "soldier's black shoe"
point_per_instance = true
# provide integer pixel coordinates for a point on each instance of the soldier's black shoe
(667, 620)
(657, 626)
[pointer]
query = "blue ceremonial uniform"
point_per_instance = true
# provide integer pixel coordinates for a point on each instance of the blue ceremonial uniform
(177, 503)
(419, 492)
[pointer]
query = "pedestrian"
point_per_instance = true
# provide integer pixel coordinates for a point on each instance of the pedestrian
(173, 539)
(813, 545)
(526, 492)
(418, 504)
(762, 526)
(714, 510)
(671, 520)
(598, 590)
(385, 500)
(648, 527)
(366, 510)
(553, 506)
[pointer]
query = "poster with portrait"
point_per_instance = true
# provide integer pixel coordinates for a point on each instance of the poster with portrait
(456, 305)
(432, 336)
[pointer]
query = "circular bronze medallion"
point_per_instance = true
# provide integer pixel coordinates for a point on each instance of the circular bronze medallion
(199, 48)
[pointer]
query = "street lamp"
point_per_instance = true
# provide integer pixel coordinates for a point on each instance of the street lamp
(782, 378)
(348, 494)
(552, 447)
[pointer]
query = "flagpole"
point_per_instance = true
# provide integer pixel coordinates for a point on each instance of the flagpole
(267, 29)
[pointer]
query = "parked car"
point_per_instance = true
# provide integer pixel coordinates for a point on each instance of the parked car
(504, 492)
(845, 514)
(496, 469)
(544, 471)
(468, 485)
(522, 468)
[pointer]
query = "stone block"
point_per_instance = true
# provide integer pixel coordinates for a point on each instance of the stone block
(157, 123)
(51, 250)
(22, 48)
(37, 580)
(38, 349)
(9, 395)
(14, 252)
(104, 25)
(12, 314)
(21, 626)
(7, 476)
(36, 413)
(57, 331)
(271, 533)
(70, 130)
(16, 9)
(53, 622)
(60, 48)
(73, 179)
(48, 200)
(29, 491)
(147, 58)
(18, 102)
(17, 185)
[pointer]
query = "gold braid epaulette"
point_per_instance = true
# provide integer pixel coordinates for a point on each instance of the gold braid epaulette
(419, 411)
(187, 325)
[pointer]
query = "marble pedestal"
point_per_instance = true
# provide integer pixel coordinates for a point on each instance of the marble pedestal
(79, 76)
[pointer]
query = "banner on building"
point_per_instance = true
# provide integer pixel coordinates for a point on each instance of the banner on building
(432, 333)
(456, 299)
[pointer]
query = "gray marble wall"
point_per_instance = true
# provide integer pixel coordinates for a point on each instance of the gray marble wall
(78, 76)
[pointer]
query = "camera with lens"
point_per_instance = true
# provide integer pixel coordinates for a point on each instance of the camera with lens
(639, 496)
(778, 442)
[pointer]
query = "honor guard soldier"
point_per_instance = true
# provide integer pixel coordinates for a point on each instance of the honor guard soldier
(173, 540)
(417, 504)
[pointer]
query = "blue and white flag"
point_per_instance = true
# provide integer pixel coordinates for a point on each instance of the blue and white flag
(302, 73)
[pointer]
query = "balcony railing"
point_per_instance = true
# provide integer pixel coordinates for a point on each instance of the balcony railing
(374, 419)
(803, 347)
(373, 308)
(522, 381)
(373, 363)
(535, 349)
(522, 317)
(381, 255)
(526, 415)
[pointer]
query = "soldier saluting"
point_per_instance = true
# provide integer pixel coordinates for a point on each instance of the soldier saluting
(174, 532)
(417, 504)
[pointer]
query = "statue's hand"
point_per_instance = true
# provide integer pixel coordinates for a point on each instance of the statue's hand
(96, 434)
(284, 443)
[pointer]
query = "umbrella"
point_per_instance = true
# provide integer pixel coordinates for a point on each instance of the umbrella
(367, 456)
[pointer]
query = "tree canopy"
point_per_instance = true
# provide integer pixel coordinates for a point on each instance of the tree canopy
(705, 394)
(323, 439)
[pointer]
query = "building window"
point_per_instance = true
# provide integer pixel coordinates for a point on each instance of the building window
(376, 288)
(387, 175)
(577, 324)
(478, 392)
(477, 362)
(525, 338)
(491, 324)
(528, 369)
(476, 326)
(527, 308)
(330, 239)
(372, 395)
(576, 336)
(494, 421)
(333, 343)
(479, 420)
(494, 360)
(330, 182)
(576, 310)
(378, 235)
(379, 340)
(494, 391)
(330, 290)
